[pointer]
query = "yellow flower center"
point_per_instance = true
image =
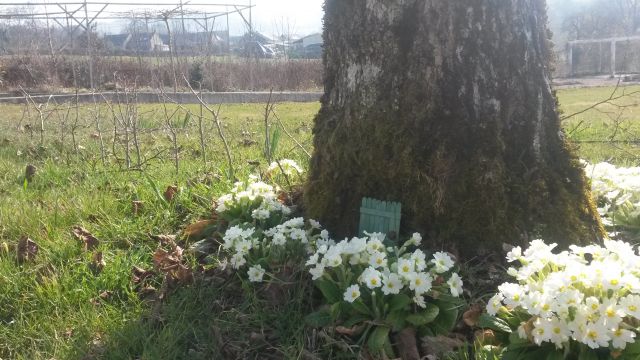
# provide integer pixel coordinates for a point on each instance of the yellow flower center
(379, 261)
(418, 282)
(592, 335)
(405, 268)
(354, 294)
(546, 307)
(374, 281)
(633, 308)
(618, 332)
(614, 282)
(557, 330)
(610, 312)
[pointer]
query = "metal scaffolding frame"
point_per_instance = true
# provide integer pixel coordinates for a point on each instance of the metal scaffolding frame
(83, 15)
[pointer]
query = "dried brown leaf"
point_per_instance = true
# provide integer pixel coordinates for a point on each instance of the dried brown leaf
(97, 262)
(139, 275)
(170, 193)
(137, 206)
(196, 231)
(352, 331)
(89, 241)
(27, 249)
(471, 316)
(164, 240)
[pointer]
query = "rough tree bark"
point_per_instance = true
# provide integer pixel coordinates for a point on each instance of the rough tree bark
(446, 106)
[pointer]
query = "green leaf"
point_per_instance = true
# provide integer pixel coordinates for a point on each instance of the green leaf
(275, 140)
(425, 316)
(378, 338)
(360, 307)
(25, 184)
(555, 355)
(186, 119)
(491, 322)
(329, 290)
(587, 354)
(399, 302)
(397, 320)
(156, 190)
(446, 320)
(355, 320)
(318, 319)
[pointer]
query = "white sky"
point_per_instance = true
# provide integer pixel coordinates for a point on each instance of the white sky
(302, 16)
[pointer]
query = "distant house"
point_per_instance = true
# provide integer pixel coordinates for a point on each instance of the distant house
(142, 42)
(313, 39)
(309, 47)
(198, 42)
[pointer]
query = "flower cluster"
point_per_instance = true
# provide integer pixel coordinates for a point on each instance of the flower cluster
(286, 166)
(252, 200)
(379, 268)
(589, 295)
(617, 191)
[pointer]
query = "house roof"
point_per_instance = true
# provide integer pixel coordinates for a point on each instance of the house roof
(117, 40)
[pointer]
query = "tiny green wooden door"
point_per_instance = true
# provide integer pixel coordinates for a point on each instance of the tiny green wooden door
(379, 216)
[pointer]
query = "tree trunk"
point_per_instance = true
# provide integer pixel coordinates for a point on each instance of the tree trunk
(446, 107)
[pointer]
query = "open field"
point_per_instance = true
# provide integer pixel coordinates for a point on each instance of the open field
(61, 306)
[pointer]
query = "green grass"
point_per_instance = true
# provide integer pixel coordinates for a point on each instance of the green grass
(608, 132)
(51, 308)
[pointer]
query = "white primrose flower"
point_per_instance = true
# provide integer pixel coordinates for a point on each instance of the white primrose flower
(420, 260)
(237, 261)
(420, 283)
(317, 272)
(286, 166)
(255, 273)
(314, 224)
(279, 239)
(374, 245)
(621, 337)
(515, 254)
(352, 293)
(596, 335)
(631, 305)
(455, 285)
(419, 300)
(406, 267)
(442, 262)
(392, 284)
(378, 260)
(494, 304)
(372, 278)
(260, 214)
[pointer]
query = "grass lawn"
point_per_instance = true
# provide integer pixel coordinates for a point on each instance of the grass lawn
(59, 306)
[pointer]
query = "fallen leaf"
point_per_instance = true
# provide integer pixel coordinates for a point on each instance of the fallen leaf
(471, 316)
(139, 275)
(170, 264)
(97, 262)
(170, 193)
(486, 337)
(352, 331)
(137, 206)
(196, 231)
(27, 250)
(89, 241)
(146, 292)
(164, 240)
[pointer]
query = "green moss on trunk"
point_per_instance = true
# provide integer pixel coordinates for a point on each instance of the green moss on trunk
(446, 107)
